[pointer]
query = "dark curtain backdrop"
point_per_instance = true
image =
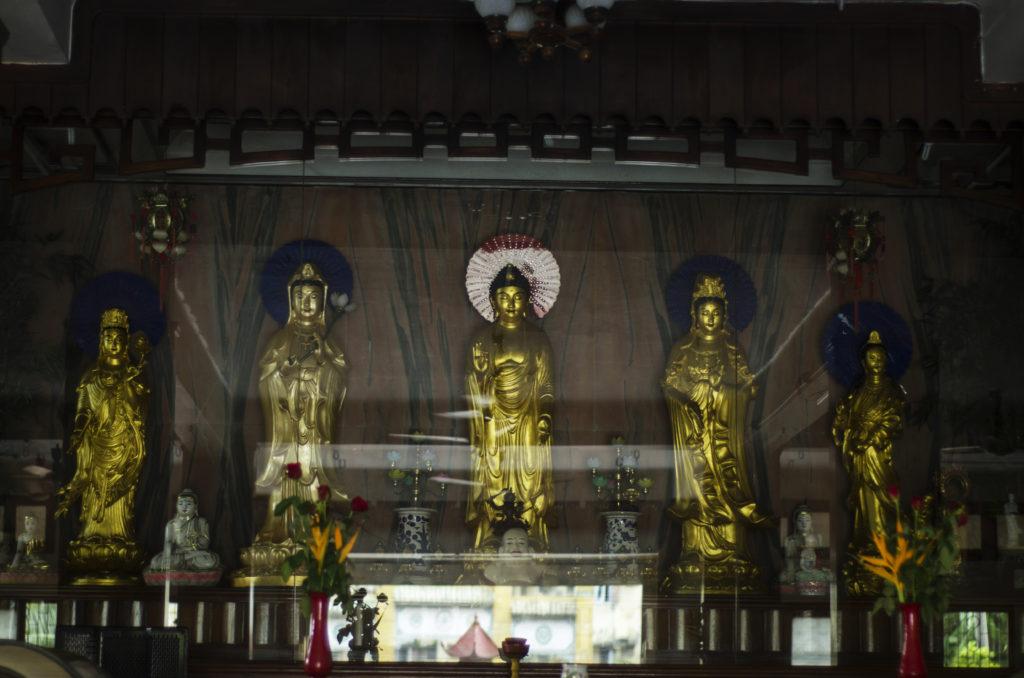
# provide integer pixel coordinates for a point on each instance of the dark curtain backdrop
(406, 339)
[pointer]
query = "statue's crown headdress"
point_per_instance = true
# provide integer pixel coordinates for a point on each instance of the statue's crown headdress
(307, 274)
(708, 287)
(874, 339)
(510, 515)
(114, 318)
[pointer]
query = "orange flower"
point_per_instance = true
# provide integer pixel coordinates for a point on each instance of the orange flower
(318, 545)
(347, 548)
(888, 565)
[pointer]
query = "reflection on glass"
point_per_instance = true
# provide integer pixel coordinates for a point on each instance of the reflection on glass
(976, 639)
(40, 623)
(583, 624)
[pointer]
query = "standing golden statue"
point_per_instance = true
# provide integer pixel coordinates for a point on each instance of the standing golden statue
(509, 382)
(108, 442)
(864, 426)
(302, 388)
(707, 387)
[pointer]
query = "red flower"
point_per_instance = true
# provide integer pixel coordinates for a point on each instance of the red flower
(894, 491)
(961, 518)
(293, 471)
(917, 503)
(323, 492)
(359, 505)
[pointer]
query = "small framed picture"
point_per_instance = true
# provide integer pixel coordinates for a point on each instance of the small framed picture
(30, 518)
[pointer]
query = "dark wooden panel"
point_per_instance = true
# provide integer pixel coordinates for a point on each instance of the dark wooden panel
(106, 76)
(290, 80)
(400, 73)
(907, 73)
(32, 95)
(545, 84)
(690, 74)
(725, 74)
(362, 67)
(217, 66)
(508, 85)
(618, 73)
(654, 74)
(254, 53)
(763, 74)
(327, 49)
(799, 75)
(871, 74)
(436, 51)
(472, 78)
(582, 87)
(942, 69)
(835, 74)
(181, 64)
(144, 36)
(71, 96)
(7, 104)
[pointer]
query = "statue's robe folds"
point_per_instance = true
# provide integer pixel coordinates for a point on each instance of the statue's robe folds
(109, 446)
(300, 404)
(866, 422)
(707, 389)
(509, 384)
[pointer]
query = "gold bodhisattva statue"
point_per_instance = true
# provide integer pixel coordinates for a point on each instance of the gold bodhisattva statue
(109, 447)
(707, 386)
(865, 424)
(302, 388)
(508, 379)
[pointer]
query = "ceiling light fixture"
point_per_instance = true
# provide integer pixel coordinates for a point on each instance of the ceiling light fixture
(544, 25)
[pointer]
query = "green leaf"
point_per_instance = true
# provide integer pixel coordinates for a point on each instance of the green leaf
(304, 605)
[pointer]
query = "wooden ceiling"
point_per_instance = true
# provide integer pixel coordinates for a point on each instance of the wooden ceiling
(663, 63)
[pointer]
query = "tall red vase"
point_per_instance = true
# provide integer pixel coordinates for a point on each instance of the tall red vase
(911, 658)
(318, 654)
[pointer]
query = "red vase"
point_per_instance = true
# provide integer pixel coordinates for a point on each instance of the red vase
(318, 654)
(911, 658)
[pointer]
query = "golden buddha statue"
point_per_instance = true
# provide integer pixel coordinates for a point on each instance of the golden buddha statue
(508, 379)
(302, 388)
(866, 422)
(707, 387)
(108, 442)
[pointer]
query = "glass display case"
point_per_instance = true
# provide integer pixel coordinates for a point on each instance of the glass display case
(633, 428)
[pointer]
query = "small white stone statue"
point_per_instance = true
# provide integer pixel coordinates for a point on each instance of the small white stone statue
(514, 563)
(186, 558)
(1012, 523)
(802, 573)
(28, 545)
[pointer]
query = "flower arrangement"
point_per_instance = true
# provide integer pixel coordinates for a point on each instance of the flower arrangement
(326, 542)
(918, 560)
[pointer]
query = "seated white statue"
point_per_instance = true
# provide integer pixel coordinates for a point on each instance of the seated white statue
(29, 544)
(186, 540)
(514, 563)
(802, 572)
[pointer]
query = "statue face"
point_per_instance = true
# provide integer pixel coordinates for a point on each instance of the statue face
(803, 522)
(510, 303)
(874, 361)
(515, 541)
(186, 506)
(113, 341)
(709, 316)
(808, 560)
(307, 302)
(30, 524)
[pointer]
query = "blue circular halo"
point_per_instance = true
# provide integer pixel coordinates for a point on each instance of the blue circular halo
(739, 290)
(130, 292)
(282, 266)
(842, 343)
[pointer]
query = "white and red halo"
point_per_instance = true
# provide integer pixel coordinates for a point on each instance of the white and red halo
(527, 254)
